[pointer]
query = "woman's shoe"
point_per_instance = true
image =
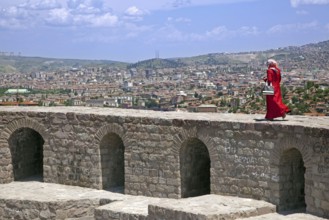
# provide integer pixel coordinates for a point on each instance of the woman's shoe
(284, 116)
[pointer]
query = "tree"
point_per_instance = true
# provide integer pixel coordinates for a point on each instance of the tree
(223, 103)
(309, 84)
(284, 91)
(196, 95)
(306, 96)
(219, 94)
(294, 99)
(151, 103)
(68, 102)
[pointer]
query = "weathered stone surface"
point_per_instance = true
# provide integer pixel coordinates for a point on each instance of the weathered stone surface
(247, 158)
(276, 216)
(209, 207)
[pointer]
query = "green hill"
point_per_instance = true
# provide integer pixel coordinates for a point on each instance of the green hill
(158, 64)
(308, 57)
(9, 64)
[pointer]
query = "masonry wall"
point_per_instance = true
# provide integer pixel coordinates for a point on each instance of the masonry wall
(248, 159)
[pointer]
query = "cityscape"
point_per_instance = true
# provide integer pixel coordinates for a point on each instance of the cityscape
(222, 82)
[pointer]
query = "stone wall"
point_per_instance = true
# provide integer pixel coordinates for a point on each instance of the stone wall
(172, 155)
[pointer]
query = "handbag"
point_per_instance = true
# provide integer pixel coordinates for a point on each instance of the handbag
(268, 90)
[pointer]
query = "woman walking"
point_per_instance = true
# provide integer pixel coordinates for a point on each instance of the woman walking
(274, 105)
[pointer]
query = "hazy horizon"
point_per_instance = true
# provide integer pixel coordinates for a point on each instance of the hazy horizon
(132, 31)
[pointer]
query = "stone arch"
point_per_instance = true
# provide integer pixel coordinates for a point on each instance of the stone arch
(112, 160)
(195, 158)
(292, 181)
(183, 135)
(194, 168)
(290, 162)
(22, 143)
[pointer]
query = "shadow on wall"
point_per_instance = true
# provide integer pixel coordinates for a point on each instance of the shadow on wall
(26, 148)
(292, 181)
(194, 168)
(112, 163)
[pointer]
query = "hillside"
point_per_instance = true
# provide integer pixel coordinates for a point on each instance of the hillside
(157, 63)
(10, 64)
(308, 57)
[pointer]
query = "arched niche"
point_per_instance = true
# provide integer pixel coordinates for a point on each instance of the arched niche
(112, 162)
(26, 148)
(194, 168)
(292, 181)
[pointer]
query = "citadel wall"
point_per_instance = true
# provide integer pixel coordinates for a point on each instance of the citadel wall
(170, 154)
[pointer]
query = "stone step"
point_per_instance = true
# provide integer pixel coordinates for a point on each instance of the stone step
(82, 218)
(36, 200)
(202, 207)
(133, 208)
(277, 216)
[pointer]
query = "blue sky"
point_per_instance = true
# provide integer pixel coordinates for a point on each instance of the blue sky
(134, 30)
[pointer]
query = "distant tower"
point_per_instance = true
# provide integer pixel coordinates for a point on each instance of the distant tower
(157, 54)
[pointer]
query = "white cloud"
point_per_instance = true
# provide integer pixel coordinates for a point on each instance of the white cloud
(173, 34)
(73, 4)
(134, 14)
(56, 13)
(134, 11)
(11, 24)
(59, 16)
(105, 20)
(86, 6)
(219, 32)
(222, 32)
(15, 12)
(155, 5)
(15, 18)
(41, 4)
(180, 3)
(296, 3)
(95, 13)
(293, 27)
(169, 4)
(85, 9)
(116, 6)
(246, 30)
(90, 20)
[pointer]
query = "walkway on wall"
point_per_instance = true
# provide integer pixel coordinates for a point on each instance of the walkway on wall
(319, 122)
(18, 199)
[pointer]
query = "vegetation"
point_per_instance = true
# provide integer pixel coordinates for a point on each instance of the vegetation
(157, 63)
(50, 91)
(302, 100)
(10, 64)
(308, 57)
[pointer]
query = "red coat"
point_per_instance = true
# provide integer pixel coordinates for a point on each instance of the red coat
(274, 105)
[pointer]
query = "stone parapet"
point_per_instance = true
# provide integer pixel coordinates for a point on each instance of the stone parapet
(170, 154)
